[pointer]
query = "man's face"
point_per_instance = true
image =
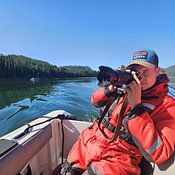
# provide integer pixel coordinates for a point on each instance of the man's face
(148, 75)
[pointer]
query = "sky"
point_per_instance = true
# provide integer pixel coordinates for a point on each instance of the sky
(88, 32)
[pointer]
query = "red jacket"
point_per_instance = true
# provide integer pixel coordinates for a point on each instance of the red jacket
(148, 130)
(152, 133)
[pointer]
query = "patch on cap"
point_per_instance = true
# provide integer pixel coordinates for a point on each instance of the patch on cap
(140, 55)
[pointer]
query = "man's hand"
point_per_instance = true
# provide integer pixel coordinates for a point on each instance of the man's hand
(133, 91)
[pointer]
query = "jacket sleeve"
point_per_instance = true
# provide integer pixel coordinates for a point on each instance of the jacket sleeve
(154, 133)
(100, 97)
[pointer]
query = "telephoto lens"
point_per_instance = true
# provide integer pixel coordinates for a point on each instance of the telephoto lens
(107, 76)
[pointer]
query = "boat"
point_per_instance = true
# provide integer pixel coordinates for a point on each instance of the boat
(34, 79)
(38, 147)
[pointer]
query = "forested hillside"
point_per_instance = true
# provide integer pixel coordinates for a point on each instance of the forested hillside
(18, 66)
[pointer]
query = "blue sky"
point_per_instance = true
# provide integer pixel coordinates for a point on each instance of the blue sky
(87, 32)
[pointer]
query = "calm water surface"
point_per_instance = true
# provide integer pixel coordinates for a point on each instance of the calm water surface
(22, 100)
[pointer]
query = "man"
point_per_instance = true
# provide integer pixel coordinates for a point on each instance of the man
(147, 128)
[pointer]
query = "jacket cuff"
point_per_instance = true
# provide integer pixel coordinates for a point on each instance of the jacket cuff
(138, 110)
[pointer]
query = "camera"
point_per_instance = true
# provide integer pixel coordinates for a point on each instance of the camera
(107, 76)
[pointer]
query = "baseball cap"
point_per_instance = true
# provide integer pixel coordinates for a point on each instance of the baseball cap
(147, 58)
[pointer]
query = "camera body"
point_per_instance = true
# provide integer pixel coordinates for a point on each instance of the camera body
(107, 76)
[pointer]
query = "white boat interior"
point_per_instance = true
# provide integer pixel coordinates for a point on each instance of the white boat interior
(39, 150)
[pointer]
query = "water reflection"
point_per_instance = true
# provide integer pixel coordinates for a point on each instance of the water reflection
(14, 90)
(22, 100)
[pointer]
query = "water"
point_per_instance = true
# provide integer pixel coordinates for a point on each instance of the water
(22, 100)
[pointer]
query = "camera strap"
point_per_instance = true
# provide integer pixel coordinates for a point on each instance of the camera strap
(119, 120)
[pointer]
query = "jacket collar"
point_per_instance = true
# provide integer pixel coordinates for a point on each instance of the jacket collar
(159, 90)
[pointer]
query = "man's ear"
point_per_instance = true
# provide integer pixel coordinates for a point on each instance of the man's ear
(158, 71)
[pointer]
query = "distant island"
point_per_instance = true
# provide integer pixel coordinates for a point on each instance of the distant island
(170, 71)
(19, 66)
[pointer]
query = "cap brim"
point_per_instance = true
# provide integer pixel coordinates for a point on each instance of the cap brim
(145, 64)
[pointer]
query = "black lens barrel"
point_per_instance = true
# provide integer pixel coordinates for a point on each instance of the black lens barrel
(108, 76)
